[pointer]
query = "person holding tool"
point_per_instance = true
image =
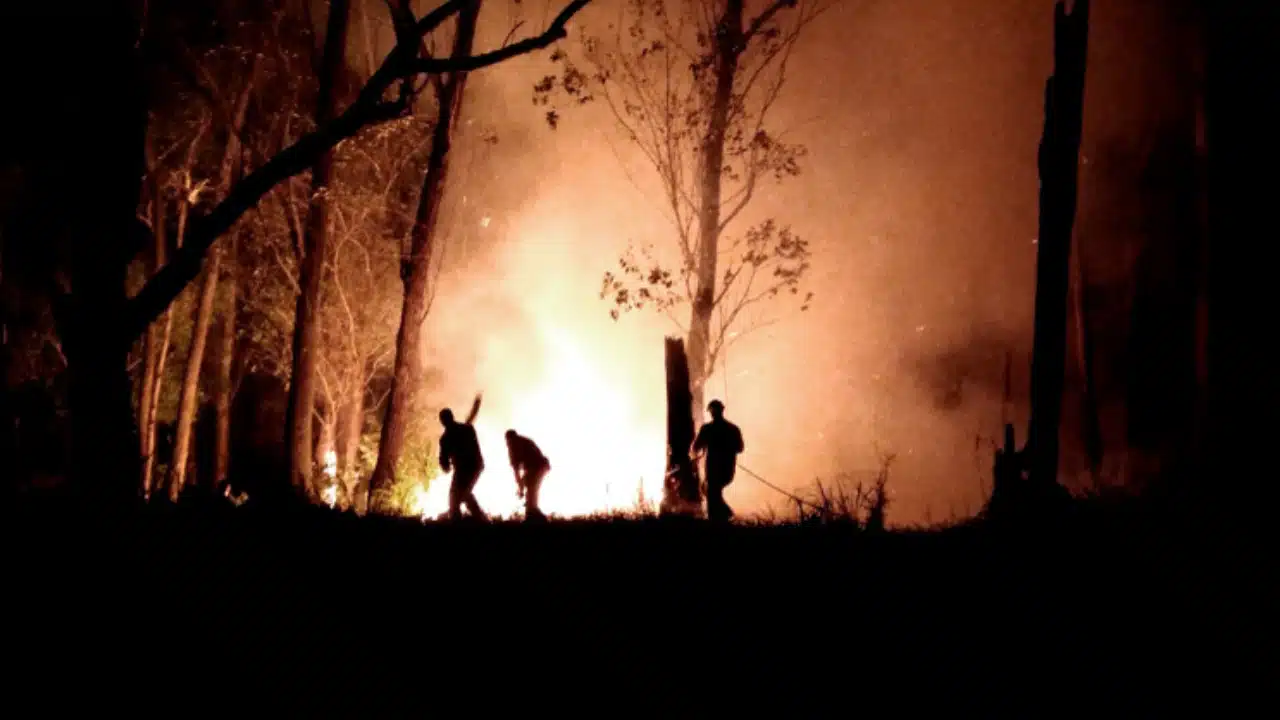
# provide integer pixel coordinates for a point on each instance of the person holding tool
(720, 441)
(530, 466)
(460, 452)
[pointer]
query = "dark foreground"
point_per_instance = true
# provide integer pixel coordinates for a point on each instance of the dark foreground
(190, 611)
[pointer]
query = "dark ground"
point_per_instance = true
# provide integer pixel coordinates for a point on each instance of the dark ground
(187, 611)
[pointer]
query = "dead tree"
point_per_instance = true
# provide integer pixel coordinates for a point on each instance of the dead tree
(681, 490)
(1059, 170)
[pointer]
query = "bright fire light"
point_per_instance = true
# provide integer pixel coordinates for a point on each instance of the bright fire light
(602, 455)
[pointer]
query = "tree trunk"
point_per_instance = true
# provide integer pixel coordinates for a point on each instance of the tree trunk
(155, 347)
(1090, 422)
(416, 269)
(226, 358)
(681, 491)
(1059, 167)
(101, 237)
(306, 335)
(728, 49)
(1243, 146)
(150, 429)
(327, 419)
(349, 430)
(189, 402)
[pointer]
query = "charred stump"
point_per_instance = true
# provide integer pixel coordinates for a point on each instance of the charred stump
(1034, 470)
(681, 491)
(1059, 171)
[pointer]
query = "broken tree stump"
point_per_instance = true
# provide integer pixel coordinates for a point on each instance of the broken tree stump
(1059, 160)
(682, 493)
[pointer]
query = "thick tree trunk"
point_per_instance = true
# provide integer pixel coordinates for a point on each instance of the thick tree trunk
(306, 335)
(681, 491)
(101, 236)
(1242, 117)
(189, 402)
(226, 361)
(416, 269)
(1059, 168)
(728, 50)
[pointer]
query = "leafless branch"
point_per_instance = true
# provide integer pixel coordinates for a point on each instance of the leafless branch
(369, 108)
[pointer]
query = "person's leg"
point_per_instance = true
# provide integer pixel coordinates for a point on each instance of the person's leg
(713, 499)
(717, 509)
(533, 484)
(469, 497)
(455, 498)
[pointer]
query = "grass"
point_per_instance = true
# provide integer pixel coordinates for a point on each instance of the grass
(323, 611)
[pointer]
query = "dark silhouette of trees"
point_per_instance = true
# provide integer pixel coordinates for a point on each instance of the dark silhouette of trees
(1242, 114)
(415, 269)
(1059, 167)
(681, 490)
(311, 270)
(97, 322)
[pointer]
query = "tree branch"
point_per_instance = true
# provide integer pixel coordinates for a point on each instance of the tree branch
(763, 18)
(556, 31)
(368, 109)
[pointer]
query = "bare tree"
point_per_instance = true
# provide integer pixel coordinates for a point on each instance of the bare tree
(692, 86)
(162, 179)
(188, 404)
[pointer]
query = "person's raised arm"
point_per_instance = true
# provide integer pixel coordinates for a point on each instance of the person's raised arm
(475, 409)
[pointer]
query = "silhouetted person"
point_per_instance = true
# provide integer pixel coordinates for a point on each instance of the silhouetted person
(530, 467)
(721, 442)
(460, 453)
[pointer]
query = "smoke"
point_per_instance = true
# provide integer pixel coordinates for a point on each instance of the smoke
(922, 120)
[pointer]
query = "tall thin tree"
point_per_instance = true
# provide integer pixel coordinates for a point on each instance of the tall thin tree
(302, 389)
(416, 266)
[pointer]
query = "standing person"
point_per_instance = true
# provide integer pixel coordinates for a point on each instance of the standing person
(460, 452)
(530, 467)
(721, 442)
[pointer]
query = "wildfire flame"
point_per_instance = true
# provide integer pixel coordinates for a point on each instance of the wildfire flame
(603, 457)
(330, 492)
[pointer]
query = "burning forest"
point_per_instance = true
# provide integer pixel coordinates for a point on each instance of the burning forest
(668, 292)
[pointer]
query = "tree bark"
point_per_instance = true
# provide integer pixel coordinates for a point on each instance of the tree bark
(1059, 168)
(681, 491)
(349, 431)
(100, 239)
(416, 269)
(306, 335)
(155, 346)
(226, 360)
(1243, 145)
(729, 42)
(189, 402)
(150, 429)
(162, 360)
